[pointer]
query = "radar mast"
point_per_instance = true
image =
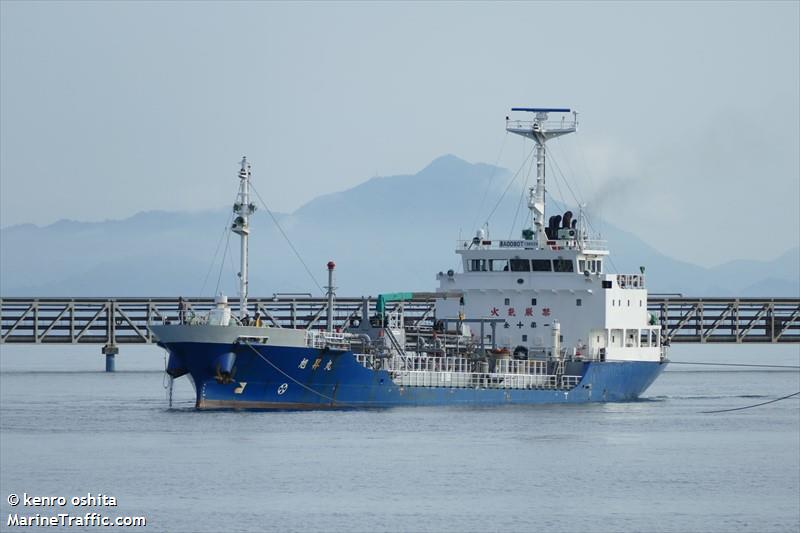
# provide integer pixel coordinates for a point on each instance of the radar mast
(540, 129)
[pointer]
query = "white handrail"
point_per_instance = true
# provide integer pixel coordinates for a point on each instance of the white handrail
(454, 372)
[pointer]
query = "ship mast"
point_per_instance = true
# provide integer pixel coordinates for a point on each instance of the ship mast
(243, 208)
(540, 130)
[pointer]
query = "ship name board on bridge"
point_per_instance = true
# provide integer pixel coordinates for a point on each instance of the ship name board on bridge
(516, 244)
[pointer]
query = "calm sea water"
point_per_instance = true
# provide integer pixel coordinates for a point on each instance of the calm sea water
(654, 465)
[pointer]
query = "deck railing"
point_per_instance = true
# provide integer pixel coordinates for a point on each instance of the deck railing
(516, 244)
(483, 380)
(454, 372)
(323, 339)
(542, 125)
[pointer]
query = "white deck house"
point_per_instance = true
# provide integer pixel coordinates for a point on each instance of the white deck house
(554, 278)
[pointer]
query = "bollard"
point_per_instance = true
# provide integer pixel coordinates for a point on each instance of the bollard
(110, 350)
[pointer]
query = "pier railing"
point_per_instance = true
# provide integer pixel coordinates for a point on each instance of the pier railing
(112, 321)
(727, 320)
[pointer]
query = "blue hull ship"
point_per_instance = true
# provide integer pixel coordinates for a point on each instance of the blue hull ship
(282, 377)
(528, 321)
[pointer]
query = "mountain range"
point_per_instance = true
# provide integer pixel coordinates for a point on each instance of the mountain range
(387, 234)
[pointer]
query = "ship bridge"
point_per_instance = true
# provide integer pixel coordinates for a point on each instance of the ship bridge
(562, 255)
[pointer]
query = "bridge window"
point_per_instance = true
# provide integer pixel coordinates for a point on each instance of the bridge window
(631, 341)
(533, 301)
(590, 265)
(563, 265)
(477, 265)
(498, 265)
(541, 265)
(644, 337)
(578, 302)
(520, 265)
(524, 338)
(507, 301)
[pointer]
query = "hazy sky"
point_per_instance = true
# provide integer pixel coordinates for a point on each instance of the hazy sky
(689, 135)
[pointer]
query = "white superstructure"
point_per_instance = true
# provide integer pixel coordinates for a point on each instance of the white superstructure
(553, 278)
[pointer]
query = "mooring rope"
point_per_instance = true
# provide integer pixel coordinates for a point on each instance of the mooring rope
(754, 405)
(746, 365)
(749, 365)
(273, 365)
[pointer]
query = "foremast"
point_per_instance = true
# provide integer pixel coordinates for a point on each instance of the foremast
(540, 130)
(243, 208)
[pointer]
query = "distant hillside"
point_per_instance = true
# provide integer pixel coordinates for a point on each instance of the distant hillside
(387, 234)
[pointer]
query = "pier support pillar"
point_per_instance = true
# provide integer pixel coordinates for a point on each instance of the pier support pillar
(110, 350)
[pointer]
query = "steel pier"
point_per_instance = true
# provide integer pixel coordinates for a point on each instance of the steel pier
(114, 321)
